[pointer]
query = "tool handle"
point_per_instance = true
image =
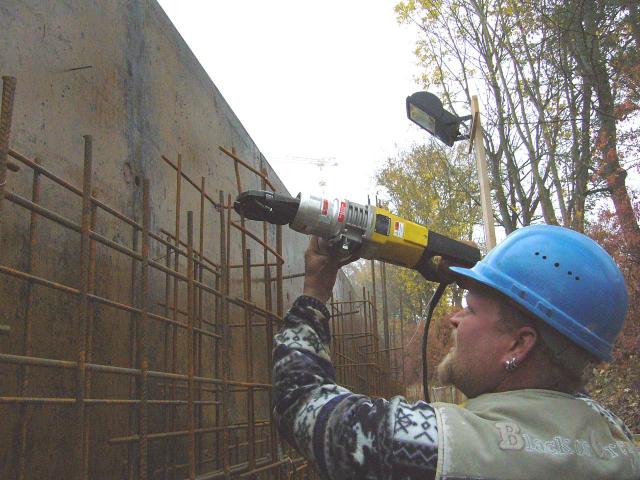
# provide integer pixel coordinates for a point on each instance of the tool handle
(460, 252)
(440, 246)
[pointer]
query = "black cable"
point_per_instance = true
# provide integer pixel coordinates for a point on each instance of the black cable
(432, 306)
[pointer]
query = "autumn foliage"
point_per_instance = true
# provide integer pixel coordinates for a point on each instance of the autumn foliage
(617, 384)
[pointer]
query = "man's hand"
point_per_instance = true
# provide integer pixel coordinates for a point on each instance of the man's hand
(321, 267)
(437, 269)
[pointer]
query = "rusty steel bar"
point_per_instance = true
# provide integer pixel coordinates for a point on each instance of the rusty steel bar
(404, 378)
(352, 341)
(6, 117)
(83, 312)
(254, 265)
(225, 245)
(199, 315)
(133, 463)
(167, 334)
(256, 309)
(67, 364)
(14, 167)
(237, 160)
(214, 267)
(190, 350)
(142, 346)
(289, 276)
(95, 298)
(180, 172)
(257, 239)
(268, 302)
(23, 372)
(15, 198)
(219, 347)
(89, 331)
(98, 401)
(348, 314)
(174, 331)
(385, 311)
(248, 339)
(184, 433)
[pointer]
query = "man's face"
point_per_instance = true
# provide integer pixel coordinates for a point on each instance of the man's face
(475, 363)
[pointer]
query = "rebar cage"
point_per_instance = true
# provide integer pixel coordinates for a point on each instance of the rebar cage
(131, 349)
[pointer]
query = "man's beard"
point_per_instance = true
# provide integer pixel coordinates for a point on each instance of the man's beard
(453, 371)
(447, 369)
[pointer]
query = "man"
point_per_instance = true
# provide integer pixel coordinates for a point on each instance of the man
(542, 307)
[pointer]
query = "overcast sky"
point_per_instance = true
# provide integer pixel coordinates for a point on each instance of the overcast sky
(317, 80)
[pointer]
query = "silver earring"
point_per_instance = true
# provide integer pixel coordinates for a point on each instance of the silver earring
(511, 365)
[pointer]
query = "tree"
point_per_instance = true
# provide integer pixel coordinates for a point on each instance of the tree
(428, 184)
(540, 120)
(597, 38)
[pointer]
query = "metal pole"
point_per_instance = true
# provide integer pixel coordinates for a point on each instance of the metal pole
(483, 175)
(8, 92)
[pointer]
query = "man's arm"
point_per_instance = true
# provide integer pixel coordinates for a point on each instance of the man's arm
(346, 435)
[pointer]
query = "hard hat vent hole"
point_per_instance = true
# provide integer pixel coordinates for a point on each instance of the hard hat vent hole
(569, 272)
(537, 253)
(544, 257)
(577, 278)
(556, 264)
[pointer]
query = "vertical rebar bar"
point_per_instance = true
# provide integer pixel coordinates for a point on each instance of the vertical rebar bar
(167, 353)
(190, 349)
(133, 464)
(220, 346)
(174, 330)
(142, 347)
(81, 329)
(385, 313)
(90, 319)
(248, 314)
(279, 286)
(199, 315)
(404, 378)
(225, 255)
(23, 372)
(268, 300)
(6, 117)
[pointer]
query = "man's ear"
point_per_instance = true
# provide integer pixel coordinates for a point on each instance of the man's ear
(524, 339)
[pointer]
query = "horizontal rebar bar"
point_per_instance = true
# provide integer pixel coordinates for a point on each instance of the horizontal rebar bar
(67, 364)
(105, 301)
(183, 433)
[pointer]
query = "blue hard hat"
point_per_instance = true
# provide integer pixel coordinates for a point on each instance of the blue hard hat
(561, 277)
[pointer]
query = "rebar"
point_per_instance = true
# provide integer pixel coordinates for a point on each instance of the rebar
(194, 386)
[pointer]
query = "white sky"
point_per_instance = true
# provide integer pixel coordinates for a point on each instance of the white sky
(310, 79)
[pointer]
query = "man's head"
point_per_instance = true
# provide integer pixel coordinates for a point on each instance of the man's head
(541, 306)
(497, 347)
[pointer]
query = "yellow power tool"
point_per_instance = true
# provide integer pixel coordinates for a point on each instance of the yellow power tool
(355, 229)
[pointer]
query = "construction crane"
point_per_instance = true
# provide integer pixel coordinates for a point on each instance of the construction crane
(320, 162)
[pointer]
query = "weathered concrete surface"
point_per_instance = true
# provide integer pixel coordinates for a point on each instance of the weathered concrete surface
(118, 71)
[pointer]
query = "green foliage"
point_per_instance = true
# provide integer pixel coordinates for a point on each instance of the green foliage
(432, 186)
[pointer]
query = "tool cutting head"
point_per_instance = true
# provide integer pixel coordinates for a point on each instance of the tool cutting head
(267, 206)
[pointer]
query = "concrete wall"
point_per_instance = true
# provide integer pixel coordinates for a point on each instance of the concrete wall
(119, 71)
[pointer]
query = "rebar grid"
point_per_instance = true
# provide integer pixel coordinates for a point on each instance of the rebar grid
(188, 392)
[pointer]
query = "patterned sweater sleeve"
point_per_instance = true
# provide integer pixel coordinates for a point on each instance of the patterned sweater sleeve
(344, 434)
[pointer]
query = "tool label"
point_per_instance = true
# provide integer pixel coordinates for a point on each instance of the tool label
(325, 206)
(398, 229)
(343, 207)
